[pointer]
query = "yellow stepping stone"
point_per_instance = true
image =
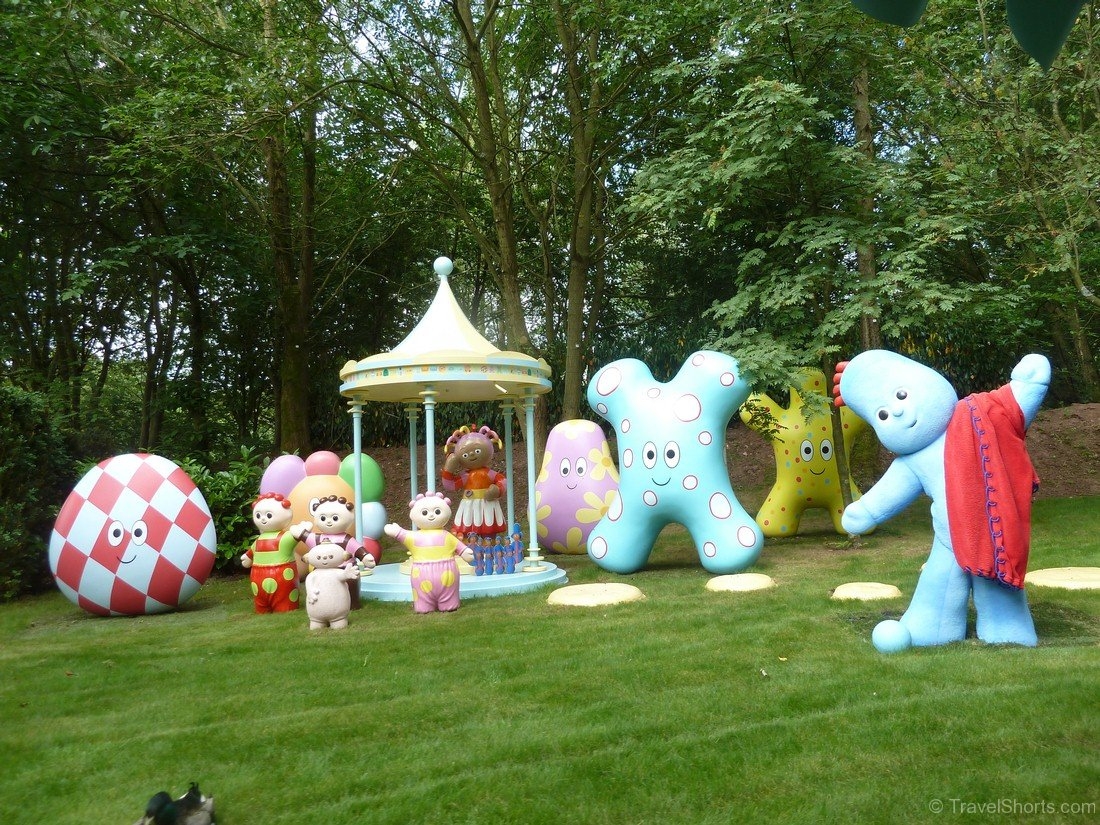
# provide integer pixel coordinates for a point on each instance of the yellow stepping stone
(866, 591)
(595, 595)
(1068, 578)
(740, 583)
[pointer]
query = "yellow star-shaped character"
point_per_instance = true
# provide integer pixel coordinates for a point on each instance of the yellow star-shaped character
(806, 472)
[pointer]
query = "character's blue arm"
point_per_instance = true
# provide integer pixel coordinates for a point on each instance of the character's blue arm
(1030, 380)
(896, 490)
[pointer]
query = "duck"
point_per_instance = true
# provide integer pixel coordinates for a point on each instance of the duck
(193, 808)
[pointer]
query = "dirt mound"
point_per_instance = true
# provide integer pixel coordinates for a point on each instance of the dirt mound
(1065, 449)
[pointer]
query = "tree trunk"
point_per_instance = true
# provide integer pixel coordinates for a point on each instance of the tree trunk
(293, 293)
(293, 352)
(582, 114)
(1087, 374)
(871, 335)
(491, 141)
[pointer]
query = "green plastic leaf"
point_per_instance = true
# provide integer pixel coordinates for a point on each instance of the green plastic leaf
(898, 12)
(1042, 28)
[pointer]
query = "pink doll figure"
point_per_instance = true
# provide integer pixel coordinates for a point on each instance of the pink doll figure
(466, 470)
(333, 522)
(274, 572)
(432, 549)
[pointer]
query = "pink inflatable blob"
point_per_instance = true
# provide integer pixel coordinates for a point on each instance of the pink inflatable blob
(322, 463)
(575, 487)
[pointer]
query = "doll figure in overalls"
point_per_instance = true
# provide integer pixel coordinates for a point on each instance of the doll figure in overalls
(270, 559)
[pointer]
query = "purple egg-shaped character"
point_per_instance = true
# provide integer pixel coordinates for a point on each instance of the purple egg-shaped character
(135, 536)
(575, 487)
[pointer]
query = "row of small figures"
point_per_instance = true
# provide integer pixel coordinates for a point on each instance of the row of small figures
(494, 555)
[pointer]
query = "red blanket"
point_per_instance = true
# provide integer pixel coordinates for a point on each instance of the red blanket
(990, 485)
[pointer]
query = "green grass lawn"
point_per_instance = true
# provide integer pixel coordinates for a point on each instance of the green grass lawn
(689, 706)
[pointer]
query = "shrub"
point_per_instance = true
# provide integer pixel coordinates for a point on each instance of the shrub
(36, 470)
(228, 493)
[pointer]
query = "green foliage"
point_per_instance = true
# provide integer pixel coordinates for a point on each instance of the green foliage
(687, 707)
(35, 470)
(229, 494)
(138, 292)
(25, 567)
(1040, 30)
(765, 171)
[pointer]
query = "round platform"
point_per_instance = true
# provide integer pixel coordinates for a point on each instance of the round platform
(595, 595)
(1068, 578)
(866, 591)
(740, 583)
(388, 584)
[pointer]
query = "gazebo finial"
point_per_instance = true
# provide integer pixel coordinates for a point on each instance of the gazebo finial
(443, 267)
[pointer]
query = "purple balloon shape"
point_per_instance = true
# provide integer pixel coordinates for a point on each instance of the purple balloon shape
(282, 475)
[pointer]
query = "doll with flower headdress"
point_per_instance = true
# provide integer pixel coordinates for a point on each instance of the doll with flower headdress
(466, 471)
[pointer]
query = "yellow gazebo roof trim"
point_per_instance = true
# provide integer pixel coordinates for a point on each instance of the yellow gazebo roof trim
(467, 367)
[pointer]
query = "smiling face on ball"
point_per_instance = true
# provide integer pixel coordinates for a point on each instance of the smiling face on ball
(135, 536)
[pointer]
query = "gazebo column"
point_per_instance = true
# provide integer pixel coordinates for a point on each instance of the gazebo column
(534, 560)
(507, 407)
(414, 473)
(429, 439)
(357, 467)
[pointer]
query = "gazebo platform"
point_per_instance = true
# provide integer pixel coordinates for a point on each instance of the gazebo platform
(388, 584)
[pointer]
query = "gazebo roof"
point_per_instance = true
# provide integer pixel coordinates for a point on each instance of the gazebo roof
(444, 355)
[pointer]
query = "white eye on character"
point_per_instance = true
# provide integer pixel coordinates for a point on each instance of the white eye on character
(139, 533)
(826, 449)
(565, 468)
(424, 512)
(115, 533)
(438, 512)
(901, 395)
(672, 454)
(806, 450)
(582, 467)
(649, 455)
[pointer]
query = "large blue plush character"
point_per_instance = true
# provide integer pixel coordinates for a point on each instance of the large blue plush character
(969, 457)
(672, 467)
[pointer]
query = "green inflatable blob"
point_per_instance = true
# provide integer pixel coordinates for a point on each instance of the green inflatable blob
(373, 483)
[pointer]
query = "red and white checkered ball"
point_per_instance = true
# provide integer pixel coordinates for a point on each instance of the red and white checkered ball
(135, 536)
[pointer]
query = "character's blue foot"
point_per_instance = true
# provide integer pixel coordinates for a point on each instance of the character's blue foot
(1003, 614)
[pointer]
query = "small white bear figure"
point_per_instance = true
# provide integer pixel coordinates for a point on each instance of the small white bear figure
(327, 599)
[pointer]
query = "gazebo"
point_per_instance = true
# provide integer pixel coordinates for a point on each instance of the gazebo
(445, 359)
